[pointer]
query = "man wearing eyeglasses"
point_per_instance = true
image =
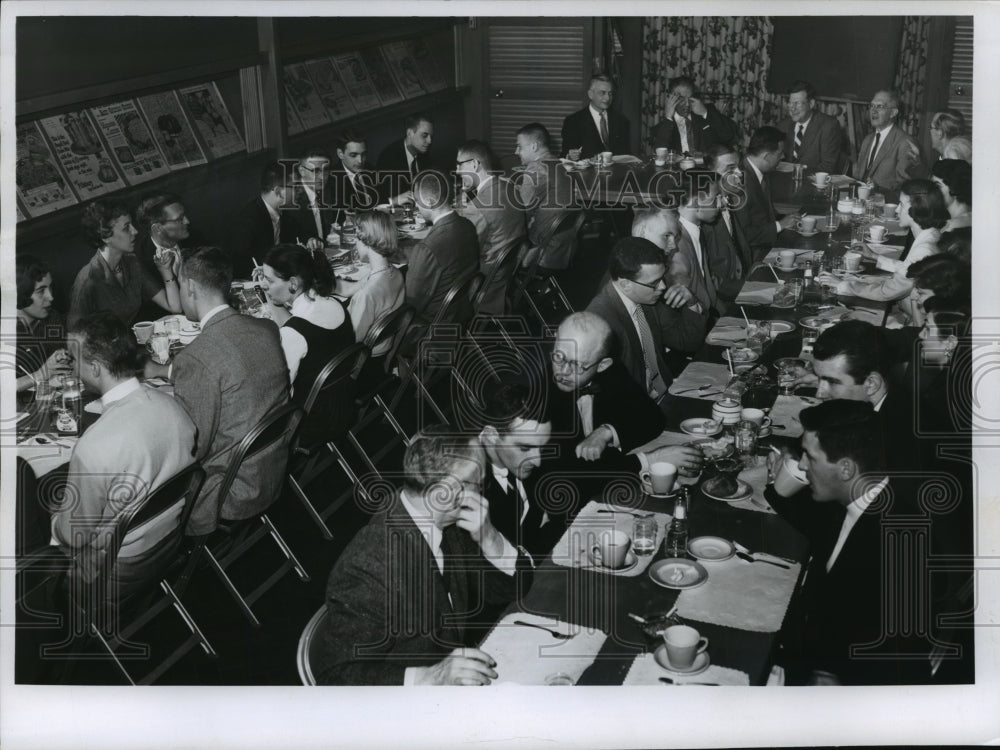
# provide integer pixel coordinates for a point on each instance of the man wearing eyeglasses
(165, 229)
(312, 214)
(888, 156)
(811, 137)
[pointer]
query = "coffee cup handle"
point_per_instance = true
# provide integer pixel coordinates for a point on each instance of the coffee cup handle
(596, 556)
(702, 644)
(766, 422)
(645, 476)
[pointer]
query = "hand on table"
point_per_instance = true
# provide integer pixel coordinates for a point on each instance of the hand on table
(592, 446)
(790, 222)
(573, 154)
(677, 296)
(314, 243)
(681, 456)
(463, 666)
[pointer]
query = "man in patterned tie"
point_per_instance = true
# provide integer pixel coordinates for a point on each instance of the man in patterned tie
(811, 137)
(888, 157)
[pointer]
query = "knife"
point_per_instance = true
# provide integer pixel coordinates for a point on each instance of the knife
(745, 556)
(746, 550)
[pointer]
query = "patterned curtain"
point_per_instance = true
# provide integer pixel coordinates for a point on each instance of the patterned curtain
(912, 72)
(728, 58)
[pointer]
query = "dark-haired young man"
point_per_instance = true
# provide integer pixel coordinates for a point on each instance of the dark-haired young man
(760, 222)
(401, 161)
(262, 222)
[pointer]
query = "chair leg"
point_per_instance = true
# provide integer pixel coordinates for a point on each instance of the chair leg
(285, 549)
(310, 508)
(227, 582)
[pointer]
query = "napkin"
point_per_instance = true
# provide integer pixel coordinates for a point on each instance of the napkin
(785, 166)
(757, 293)
(785, 412)
(527, 655)
(801, 255)
(740, 594)
(889, 251)
(697, 374)
(756, 477)
(645, 671)
(727, 330)
(45, 458)
(867, 314)
(626, 159)
(572, 550)
(840, 180)
(787, 208)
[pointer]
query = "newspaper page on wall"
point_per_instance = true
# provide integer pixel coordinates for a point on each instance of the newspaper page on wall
(332, 91)
(130, 141)
(212, 119)
(82, 155)
(430, 71)
(399, 59)
(41, 184)
(171, 129)
(381, 77)
(355, 76)
(299, 90)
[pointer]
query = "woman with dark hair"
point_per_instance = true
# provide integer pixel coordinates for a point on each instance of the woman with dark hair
(384, 289)
(114, 280)
(940, 281)
(41, 333)
(948, 136)
(314, 325)
(954, 179)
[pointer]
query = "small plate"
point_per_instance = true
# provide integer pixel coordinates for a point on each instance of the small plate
(781, 326)
(711, 548)
(743, 491)
(815, 322)
(701, 426)
(714, 451)
(747, 355)
(631, 560)
(807, 234)
(787, 269)
(678, 573)
(700, 664)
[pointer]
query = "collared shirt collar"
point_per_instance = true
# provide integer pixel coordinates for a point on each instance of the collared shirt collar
(693, 229)
(501, 475)
(854, 511)
(446, 213)
(805, 125)
(881, 401)
(756, 170)
(310, 193)
(885, 131)
(596, 113)
(211, 314)
(272, 211)
(120, 391)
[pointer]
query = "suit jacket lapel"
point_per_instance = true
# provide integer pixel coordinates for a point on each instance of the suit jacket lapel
(622, 312)
(884, 148)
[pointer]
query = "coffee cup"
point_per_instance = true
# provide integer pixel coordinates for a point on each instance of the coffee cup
(852, 261)
(807, 224)
(877, 231)
(788, 478)
(757, 416)
(611, 548)
(683, 643)
(889, 210)
(661, 154)
(821, 178)
(786, 258)
(606, 157)
(143, 330)
(864, 191)
(660, 477)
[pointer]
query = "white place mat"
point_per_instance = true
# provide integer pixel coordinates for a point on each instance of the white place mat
(527, 656)
(573, 549)
(800, 255)
(45, 458)
(626, 159)
(727, 330)
(740, 594)
(756, 477)
(757, 293)
(645, 671)
(697, 374)
(785, 412)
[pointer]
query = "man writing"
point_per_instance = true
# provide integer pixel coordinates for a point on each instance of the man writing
(596, 127)
(811, 137)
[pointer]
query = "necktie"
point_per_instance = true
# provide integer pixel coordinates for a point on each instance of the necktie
(414, 169)
(276, 224)
(871, 156)
(451, 552)
(654, 381)
(604, 129)
(798, 142)
(319, 221)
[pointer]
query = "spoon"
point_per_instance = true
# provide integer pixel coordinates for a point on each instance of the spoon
(553, 633)
(668, 681)
(699, 388)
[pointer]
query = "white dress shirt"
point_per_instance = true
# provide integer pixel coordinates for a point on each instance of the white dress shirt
(695, 231)
(682, 130)
(760, 179)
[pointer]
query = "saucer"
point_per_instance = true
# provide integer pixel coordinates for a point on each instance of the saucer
(631, 560)
(711, 548)
(808, 234)
(700, 664)
(781, 326)
(870, 238)
(700, 426)
(677, 573)
(746, 355)
(743, 491)
(788, 268)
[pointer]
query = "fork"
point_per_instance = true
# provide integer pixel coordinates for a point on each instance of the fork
(699, 388)
(553, 633)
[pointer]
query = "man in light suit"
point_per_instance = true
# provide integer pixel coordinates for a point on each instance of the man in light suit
(596, 127)
(228, 379)
(637, 286)
(419, 586)
(811, 137)
(401, 161)
(689, 124)
(887, 157)
(261, 224)
(756, 214)
(492, 207)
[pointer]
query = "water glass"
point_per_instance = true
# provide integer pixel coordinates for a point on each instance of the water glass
(746, 438)
(172, 327)
(796, 287)
(758, 335)
(809, 336)
(786, 379)
(644, 536)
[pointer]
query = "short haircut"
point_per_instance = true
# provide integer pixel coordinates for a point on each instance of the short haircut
(314, 153)
(108, 340)
(643, 216)
(681, 80)
(862, 344)
(951, 322)
(209, 267)
(602, 77)
(713, 152)
(98, 216)
(630, 254)
(957, 175)
(927, 207)
(944, 275)
(152, 208)
(957, 242)
(506, 402)
(765, 139)
(950, 122)
(412, 122)
(592, 323)
(274, 175)
(433, 454)
(30, 270)
(802, 86)
(696, 183)
(310, 266)
(476, 149)
(348, 136)
(378, 231)
(893, 97)
(430, 190)
(846, 429)
(537, 133)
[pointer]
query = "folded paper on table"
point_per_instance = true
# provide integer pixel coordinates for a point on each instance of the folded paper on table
(645, 671)
(839, 180)
(726, 331)
(741, 594)
(45, 458)
(527, 656)
(697, 374)
(757, 293)
(800, 253)
(868, 315)
(785, 415)
(626, 159)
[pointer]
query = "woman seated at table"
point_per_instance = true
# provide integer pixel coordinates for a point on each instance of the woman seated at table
(41, 331)
(114, 280)
(314, 325)
(384, 290)
(943, 278)
(948, 136)
(921, 210)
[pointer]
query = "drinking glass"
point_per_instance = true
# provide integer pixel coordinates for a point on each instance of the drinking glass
(746, 438)
(809, 336)
(758, 335)
(172, 327)
(832, 225)
(786, 379)
(644, 536)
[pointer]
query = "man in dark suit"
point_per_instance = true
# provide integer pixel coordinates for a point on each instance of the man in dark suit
(632, 303)
(756, 215)
(261, 224)
(449, 254)
(164, 228)
(596, 127)
(311, 214)
(350, 185)
(811, 137)
(729, 255)
(691, 125)
(228, 379)
(888, 157)
(401, 161)
(419, 586)
(852, 601)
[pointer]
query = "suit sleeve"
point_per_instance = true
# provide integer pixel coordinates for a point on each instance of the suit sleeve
(570, 135)
(830, 146)
(758, 225)
(636, 417)
(198, 390)
(723, 129)
(663, 133)
(683, 330)
(422, 277)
